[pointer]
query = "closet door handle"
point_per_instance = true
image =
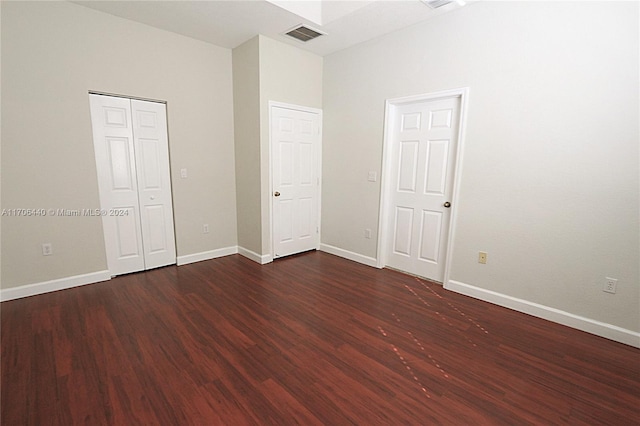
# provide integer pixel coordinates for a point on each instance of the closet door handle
(276, 194)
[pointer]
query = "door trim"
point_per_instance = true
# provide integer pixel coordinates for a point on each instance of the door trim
(385, 184)
(275, 104)
(136, 98)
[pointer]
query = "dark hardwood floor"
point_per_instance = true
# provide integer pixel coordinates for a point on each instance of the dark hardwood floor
(310, 339)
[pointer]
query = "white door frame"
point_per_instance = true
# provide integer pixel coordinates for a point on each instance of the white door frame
(318, 164)
(386, 178)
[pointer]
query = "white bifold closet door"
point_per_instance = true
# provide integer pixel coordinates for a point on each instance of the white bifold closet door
(132, 158)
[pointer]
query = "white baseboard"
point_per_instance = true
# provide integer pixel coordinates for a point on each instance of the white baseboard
(356, 257)
(95, 277)
(259, 258)
(206, 255)
(53, 285)
(598, 328)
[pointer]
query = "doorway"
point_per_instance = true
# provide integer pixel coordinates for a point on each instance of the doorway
(295, 135)
(132, 160)
(421, 163)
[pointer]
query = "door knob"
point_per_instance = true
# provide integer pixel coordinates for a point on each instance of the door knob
(276, 194)
(447, 204)
(153, 197)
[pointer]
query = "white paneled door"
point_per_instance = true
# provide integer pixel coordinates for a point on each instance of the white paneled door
(295, 147)
(424, 138)
(132, 160)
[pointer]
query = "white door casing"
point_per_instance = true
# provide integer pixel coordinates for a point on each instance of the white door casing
(295, 169)
(131, 149)
(422, 149)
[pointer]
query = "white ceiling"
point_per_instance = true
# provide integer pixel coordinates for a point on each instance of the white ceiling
(229, 23)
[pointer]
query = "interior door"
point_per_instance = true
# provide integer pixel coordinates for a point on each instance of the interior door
(295, 143)
(423, 152)
(151, 148)
(131, 149)
(117, 182)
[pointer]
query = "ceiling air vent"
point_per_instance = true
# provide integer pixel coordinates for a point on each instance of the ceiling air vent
(434, 4)
(303, 33)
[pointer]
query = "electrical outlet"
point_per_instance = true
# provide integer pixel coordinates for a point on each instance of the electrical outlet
(482, 257)
(367, 233)
(47, 249)
(205, 228)
(610, 285)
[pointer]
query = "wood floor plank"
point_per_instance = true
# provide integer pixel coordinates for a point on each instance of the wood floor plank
(310, 339)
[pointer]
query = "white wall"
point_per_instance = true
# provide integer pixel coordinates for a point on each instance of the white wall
(550, 182)
(53, 53)
(246, 104)
(0, 152)
(288, 75)
(265, 70)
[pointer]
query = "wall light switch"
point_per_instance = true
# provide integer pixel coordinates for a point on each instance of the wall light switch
(47, 249)
(373, 176)
(183, 173)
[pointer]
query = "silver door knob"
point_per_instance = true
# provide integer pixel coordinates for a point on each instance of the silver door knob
(276, 194)
(447, 204)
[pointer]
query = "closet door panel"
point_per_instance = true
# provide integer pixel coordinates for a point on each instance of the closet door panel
(117, 183)
(154, 182)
